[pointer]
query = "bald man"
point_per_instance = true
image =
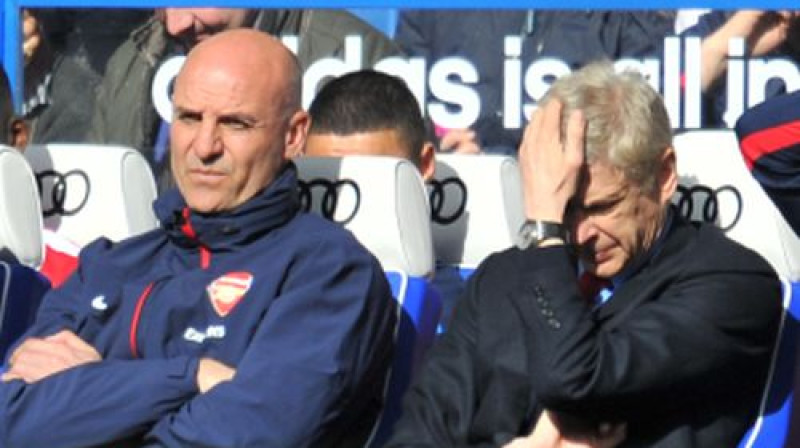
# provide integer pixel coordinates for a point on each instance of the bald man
(239, 322)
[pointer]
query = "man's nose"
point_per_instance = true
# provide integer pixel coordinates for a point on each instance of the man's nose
(583, 229)
(177, 21)
(208, 143)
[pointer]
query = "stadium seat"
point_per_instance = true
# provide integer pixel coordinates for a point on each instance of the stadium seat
(476, 209)
(382, 201)
(21, 248)
(20, 213)
(715, 186)
(90, 191)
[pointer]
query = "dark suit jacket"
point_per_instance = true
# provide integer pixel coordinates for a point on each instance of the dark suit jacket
(680, 352)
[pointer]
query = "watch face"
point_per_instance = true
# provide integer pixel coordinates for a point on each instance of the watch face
(532, 233)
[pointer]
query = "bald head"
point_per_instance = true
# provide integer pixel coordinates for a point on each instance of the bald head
(255, 57)
(237, 118)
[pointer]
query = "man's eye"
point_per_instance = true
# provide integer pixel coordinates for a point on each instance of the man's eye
(599, 208)
(236, 124)
(186, 117)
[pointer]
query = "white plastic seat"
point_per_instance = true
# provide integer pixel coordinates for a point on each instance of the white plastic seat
(21, 248)
(20, 211)
(88, 191)
(476, 210)
(477, 207)
(716, 186)
(382, 200)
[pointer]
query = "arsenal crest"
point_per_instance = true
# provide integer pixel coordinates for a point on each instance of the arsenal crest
(226, 291)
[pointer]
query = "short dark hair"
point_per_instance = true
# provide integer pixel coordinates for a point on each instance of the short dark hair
(366, 101)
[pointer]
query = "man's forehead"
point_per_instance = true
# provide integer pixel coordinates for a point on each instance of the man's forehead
(601, 181)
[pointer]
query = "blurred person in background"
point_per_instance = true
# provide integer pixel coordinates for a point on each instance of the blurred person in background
(125, 113)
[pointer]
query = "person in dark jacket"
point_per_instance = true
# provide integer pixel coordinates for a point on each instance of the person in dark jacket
(240, 322)
(769, 138)
(674, 349)
(125, 111)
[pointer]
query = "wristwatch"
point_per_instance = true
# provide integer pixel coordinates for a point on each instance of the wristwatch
(534, 232)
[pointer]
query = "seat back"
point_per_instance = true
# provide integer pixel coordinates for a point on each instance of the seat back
(382, 201)
(21, 248)
(476, 207)
(88, 191)
(20, 211)
(717, 187)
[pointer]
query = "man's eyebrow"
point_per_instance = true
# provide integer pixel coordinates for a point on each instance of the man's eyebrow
(608, 199)
(177, 108)
(239, 116)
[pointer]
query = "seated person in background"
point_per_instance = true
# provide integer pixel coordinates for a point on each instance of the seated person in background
(369, 113)
(239, 322)
(60, 255)
(65, 57)
(769, 136)
(124, 112)
(673, 352)
(372, 113)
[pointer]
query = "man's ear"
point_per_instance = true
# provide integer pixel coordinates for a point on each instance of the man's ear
(19, 133)
(296, 134)
(427, 161)
(667, 176)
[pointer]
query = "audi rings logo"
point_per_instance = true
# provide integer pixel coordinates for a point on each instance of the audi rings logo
(721, 206)
(63, 194)
(448, 198)
(336, 201)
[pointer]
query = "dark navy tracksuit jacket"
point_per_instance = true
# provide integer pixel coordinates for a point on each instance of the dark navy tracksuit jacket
(769, 137)
(293, 302)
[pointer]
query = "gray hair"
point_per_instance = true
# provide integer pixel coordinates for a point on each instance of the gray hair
(626, 122)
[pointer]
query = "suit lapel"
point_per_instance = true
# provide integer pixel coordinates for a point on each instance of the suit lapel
(646, 283)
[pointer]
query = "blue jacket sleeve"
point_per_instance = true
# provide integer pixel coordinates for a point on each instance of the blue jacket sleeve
(321, 343)
(94, 403)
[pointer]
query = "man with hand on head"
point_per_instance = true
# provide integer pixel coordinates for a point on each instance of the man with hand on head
(673, 351)
(239, 322)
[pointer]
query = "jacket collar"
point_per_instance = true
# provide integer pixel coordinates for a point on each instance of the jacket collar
(216, 232)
